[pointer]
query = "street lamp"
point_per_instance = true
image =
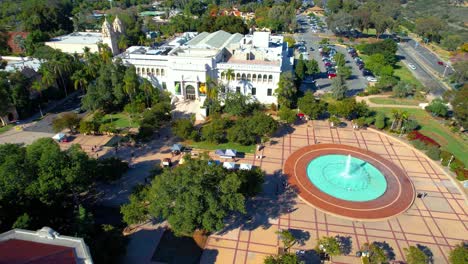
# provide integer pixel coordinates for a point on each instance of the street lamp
(447, 65)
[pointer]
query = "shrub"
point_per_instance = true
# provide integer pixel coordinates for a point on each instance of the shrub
(88, 127)
(411, 125)
(107, 128)
(416, 135)
(369, 120)
(456, 165)
(445, 156)
(433, 152)
(462, 174)
(380, 121)
(183, 128)
(419, 144)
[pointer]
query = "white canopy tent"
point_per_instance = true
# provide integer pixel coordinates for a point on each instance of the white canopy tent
(229, 165)
(245, 166)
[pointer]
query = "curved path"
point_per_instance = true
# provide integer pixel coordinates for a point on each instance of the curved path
(371, 104)
(397, 198)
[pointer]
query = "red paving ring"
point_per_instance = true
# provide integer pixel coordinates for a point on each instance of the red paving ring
(397, 198)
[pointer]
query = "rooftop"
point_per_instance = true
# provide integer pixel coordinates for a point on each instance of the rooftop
(20, 63)
(21, 246)
(215, 40)
(79, 38)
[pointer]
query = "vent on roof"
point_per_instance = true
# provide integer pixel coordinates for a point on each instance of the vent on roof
(47, 232)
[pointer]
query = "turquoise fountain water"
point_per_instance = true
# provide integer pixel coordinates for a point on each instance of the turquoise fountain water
(346, 177)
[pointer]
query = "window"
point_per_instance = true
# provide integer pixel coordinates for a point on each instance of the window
(164, 86)
(237, 89)
(270, 78)
(264, 78)
(254, 77)
(223, 89)
(157, 72)
(269, 92)
(254, 91)
(162, 72)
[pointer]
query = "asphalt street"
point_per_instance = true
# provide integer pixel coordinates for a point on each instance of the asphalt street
(426, 78)
(355, 83)
(429, 58)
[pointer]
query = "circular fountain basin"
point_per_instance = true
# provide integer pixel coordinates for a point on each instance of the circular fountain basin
(346, 177)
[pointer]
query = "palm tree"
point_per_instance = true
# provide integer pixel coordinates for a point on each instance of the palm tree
(39, 87)
(141, 40)
(229, 73)
(130, 82)
(403, 118)
(104, 52)
(122, 43)
(148, 89)
(80, 79)
(212, 88)
(396, 116)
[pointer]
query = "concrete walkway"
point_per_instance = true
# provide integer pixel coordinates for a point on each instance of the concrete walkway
(371, 104)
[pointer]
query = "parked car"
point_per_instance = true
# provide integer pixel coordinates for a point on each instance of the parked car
(331, 75)
(411, 66)
(440, 63)
(327, 64)
(361, 66)
(366, 72)
(371, 79)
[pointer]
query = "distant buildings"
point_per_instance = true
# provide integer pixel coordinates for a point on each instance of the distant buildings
(246, 16)
(42, 246)
(77, 41)
(185, 65)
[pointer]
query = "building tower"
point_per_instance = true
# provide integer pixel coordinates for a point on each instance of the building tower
(118, 26)
(109, 37)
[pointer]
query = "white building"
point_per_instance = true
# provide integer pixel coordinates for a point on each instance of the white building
(77, 41)
(184, 65)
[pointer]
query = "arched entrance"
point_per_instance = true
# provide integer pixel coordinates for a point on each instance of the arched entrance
(190, 92)
(11, 117)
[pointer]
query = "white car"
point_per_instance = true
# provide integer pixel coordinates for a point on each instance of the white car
(411, 66)
(371, 79)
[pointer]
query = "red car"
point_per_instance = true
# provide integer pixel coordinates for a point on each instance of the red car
(331, 75)
(440, 63)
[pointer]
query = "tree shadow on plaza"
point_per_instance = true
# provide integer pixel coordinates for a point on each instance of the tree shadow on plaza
(427, 251)
(346, 244)
(301, 236)
(310, 257)
(262, 209)
(387, 248)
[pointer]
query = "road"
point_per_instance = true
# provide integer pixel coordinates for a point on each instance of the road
(426, 78)
(355, 83)
(428, 57)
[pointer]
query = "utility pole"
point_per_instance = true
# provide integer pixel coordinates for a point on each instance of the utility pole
(447, 65)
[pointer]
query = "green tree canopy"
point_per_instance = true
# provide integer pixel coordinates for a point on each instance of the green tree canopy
(286, 92)
(438, 108)
(415, 255)
(339, 88)
(196, 195)
(310, 106)
(459, 255)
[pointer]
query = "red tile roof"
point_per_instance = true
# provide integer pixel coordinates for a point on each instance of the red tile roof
(16, 251)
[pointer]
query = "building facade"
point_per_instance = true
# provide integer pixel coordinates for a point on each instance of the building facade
(249, 64)
(76, 42)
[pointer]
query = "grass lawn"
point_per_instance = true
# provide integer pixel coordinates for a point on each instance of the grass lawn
(394, 101)
(214, 146)
(370, 32)
(6, 128)
(440, 133)
(404, 74)
(120, 120)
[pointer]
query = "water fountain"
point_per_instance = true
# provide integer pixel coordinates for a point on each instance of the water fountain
(346, 177)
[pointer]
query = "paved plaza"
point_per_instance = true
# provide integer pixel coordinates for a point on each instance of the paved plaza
(437, 222)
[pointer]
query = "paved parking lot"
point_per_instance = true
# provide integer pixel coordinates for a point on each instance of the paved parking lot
(356, 82)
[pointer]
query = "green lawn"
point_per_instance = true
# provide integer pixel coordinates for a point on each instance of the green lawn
(213, 146)
(6, 128)
(394, 101)
(404, 74)
(370, 32)
(432, 128)
(120, 120)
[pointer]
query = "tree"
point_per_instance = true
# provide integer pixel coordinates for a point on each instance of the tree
(288, 258)
(339, 88)
(229, 73)
(215, 131)
(414, 255)
(22, 222)
(459, 255)
(438, 108)
(344, 72)
(329, 245)
(66, 120)
(402, 89)
(300, 68)
(5, 100)
(461, 71)
(451, 42)
(340, 59)
(377, 254)
(286, 92)
(460, 105)
(183, 128)
(130, 82)
(262, 125)
(287, 115)
(239, 104)
(429, 27)
(334, 5)
(290, 40)
(287, 238)
(196, 195)
(312, 67)
(134, 212)
(241, 133)
(310, 106)
(231, 24)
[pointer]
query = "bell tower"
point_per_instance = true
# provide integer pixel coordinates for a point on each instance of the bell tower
(109, 37)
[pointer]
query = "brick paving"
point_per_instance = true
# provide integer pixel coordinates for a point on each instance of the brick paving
(438, 221)
(397, 198)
